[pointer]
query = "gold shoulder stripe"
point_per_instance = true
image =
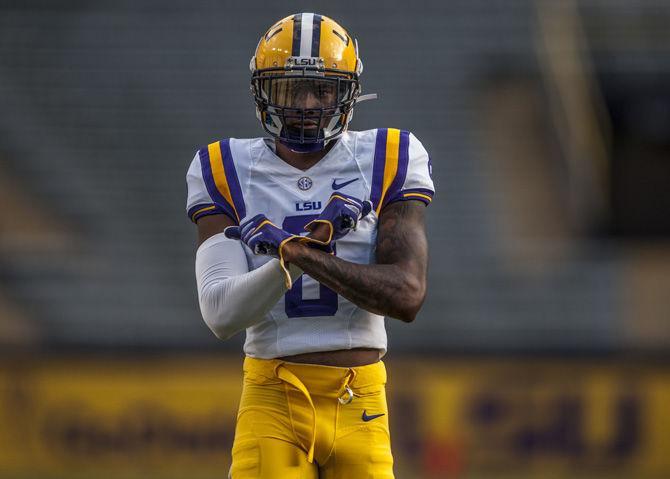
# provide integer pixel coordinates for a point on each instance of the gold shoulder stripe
(219, 174)
(390, 163)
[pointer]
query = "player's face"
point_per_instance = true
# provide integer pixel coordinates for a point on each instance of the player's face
(304, 93)
(307, 104)
(317, 97)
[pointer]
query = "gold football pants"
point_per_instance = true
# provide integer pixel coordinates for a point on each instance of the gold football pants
(306, 421)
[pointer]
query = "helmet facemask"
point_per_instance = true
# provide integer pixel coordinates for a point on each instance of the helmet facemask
(304, 107)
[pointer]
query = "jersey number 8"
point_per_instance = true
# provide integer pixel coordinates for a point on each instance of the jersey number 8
(295, 305)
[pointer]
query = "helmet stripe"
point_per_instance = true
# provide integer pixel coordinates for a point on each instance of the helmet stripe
(307, 25)
(297, 28)
(316, 35)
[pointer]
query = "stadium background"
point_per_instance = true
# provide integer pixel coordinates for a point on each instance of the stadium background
(542, 349)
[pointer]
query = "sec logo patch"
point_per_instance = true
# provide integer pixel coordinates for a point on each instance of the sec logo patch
(305, 183)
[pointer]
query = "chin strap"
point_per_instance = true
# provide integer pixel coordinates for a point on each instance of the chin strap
(366, 97)
(303, 147)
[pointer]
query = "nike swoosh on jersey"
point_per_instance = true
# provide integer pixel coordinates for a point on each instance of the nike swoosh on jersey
(337, 186)
(367, 418)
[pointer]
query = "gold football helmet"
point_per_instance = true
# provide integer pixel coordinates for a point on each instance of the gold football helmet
(305, 80)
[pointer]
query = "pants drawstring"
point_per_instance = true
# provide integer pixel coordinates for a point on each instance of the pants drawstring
(287, 376)
(345, 397)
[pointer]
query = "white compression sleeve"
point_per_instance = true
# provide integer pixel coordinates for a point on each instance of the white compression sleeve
(231, 297)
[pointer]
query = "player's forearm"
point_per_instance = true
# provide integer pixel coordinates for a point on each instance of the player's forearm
(233, 304)
(387, 289)
(231, 297)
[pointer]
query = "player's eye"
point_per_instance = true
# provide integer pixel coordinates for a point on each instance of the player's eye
(327, 90)
(297, 92)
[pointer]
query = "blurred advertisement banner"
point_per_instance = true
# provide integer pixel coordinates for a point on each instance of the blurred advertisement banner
(175, 417)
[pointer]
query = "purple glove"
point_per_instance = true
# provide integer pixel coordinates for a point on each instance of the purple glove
(263, 237)
(341, 214)
(260, 235)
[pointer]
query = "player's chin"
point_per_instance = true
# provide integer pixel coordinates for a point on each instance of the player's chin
(308, 131)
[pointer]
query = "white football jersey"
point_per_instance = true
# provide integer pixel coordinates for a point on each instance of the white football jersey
(244, 177)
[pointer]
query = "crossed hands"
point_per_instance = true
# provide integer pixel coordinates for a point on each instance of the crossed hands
(340, 216)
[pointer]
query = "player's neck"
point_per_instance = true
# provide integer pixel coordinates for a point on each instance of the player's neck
(302, 161)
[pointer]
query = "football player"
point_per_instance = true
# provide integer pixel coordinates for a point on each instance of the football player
(308, 239)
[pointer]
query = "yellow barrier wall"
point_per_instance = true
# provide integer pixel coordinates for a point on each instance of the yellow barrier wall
(174, 417)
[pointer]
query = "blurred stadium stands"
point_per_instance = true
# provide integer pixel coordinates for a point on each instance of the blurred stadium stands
(548, 123)
(533, 113)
